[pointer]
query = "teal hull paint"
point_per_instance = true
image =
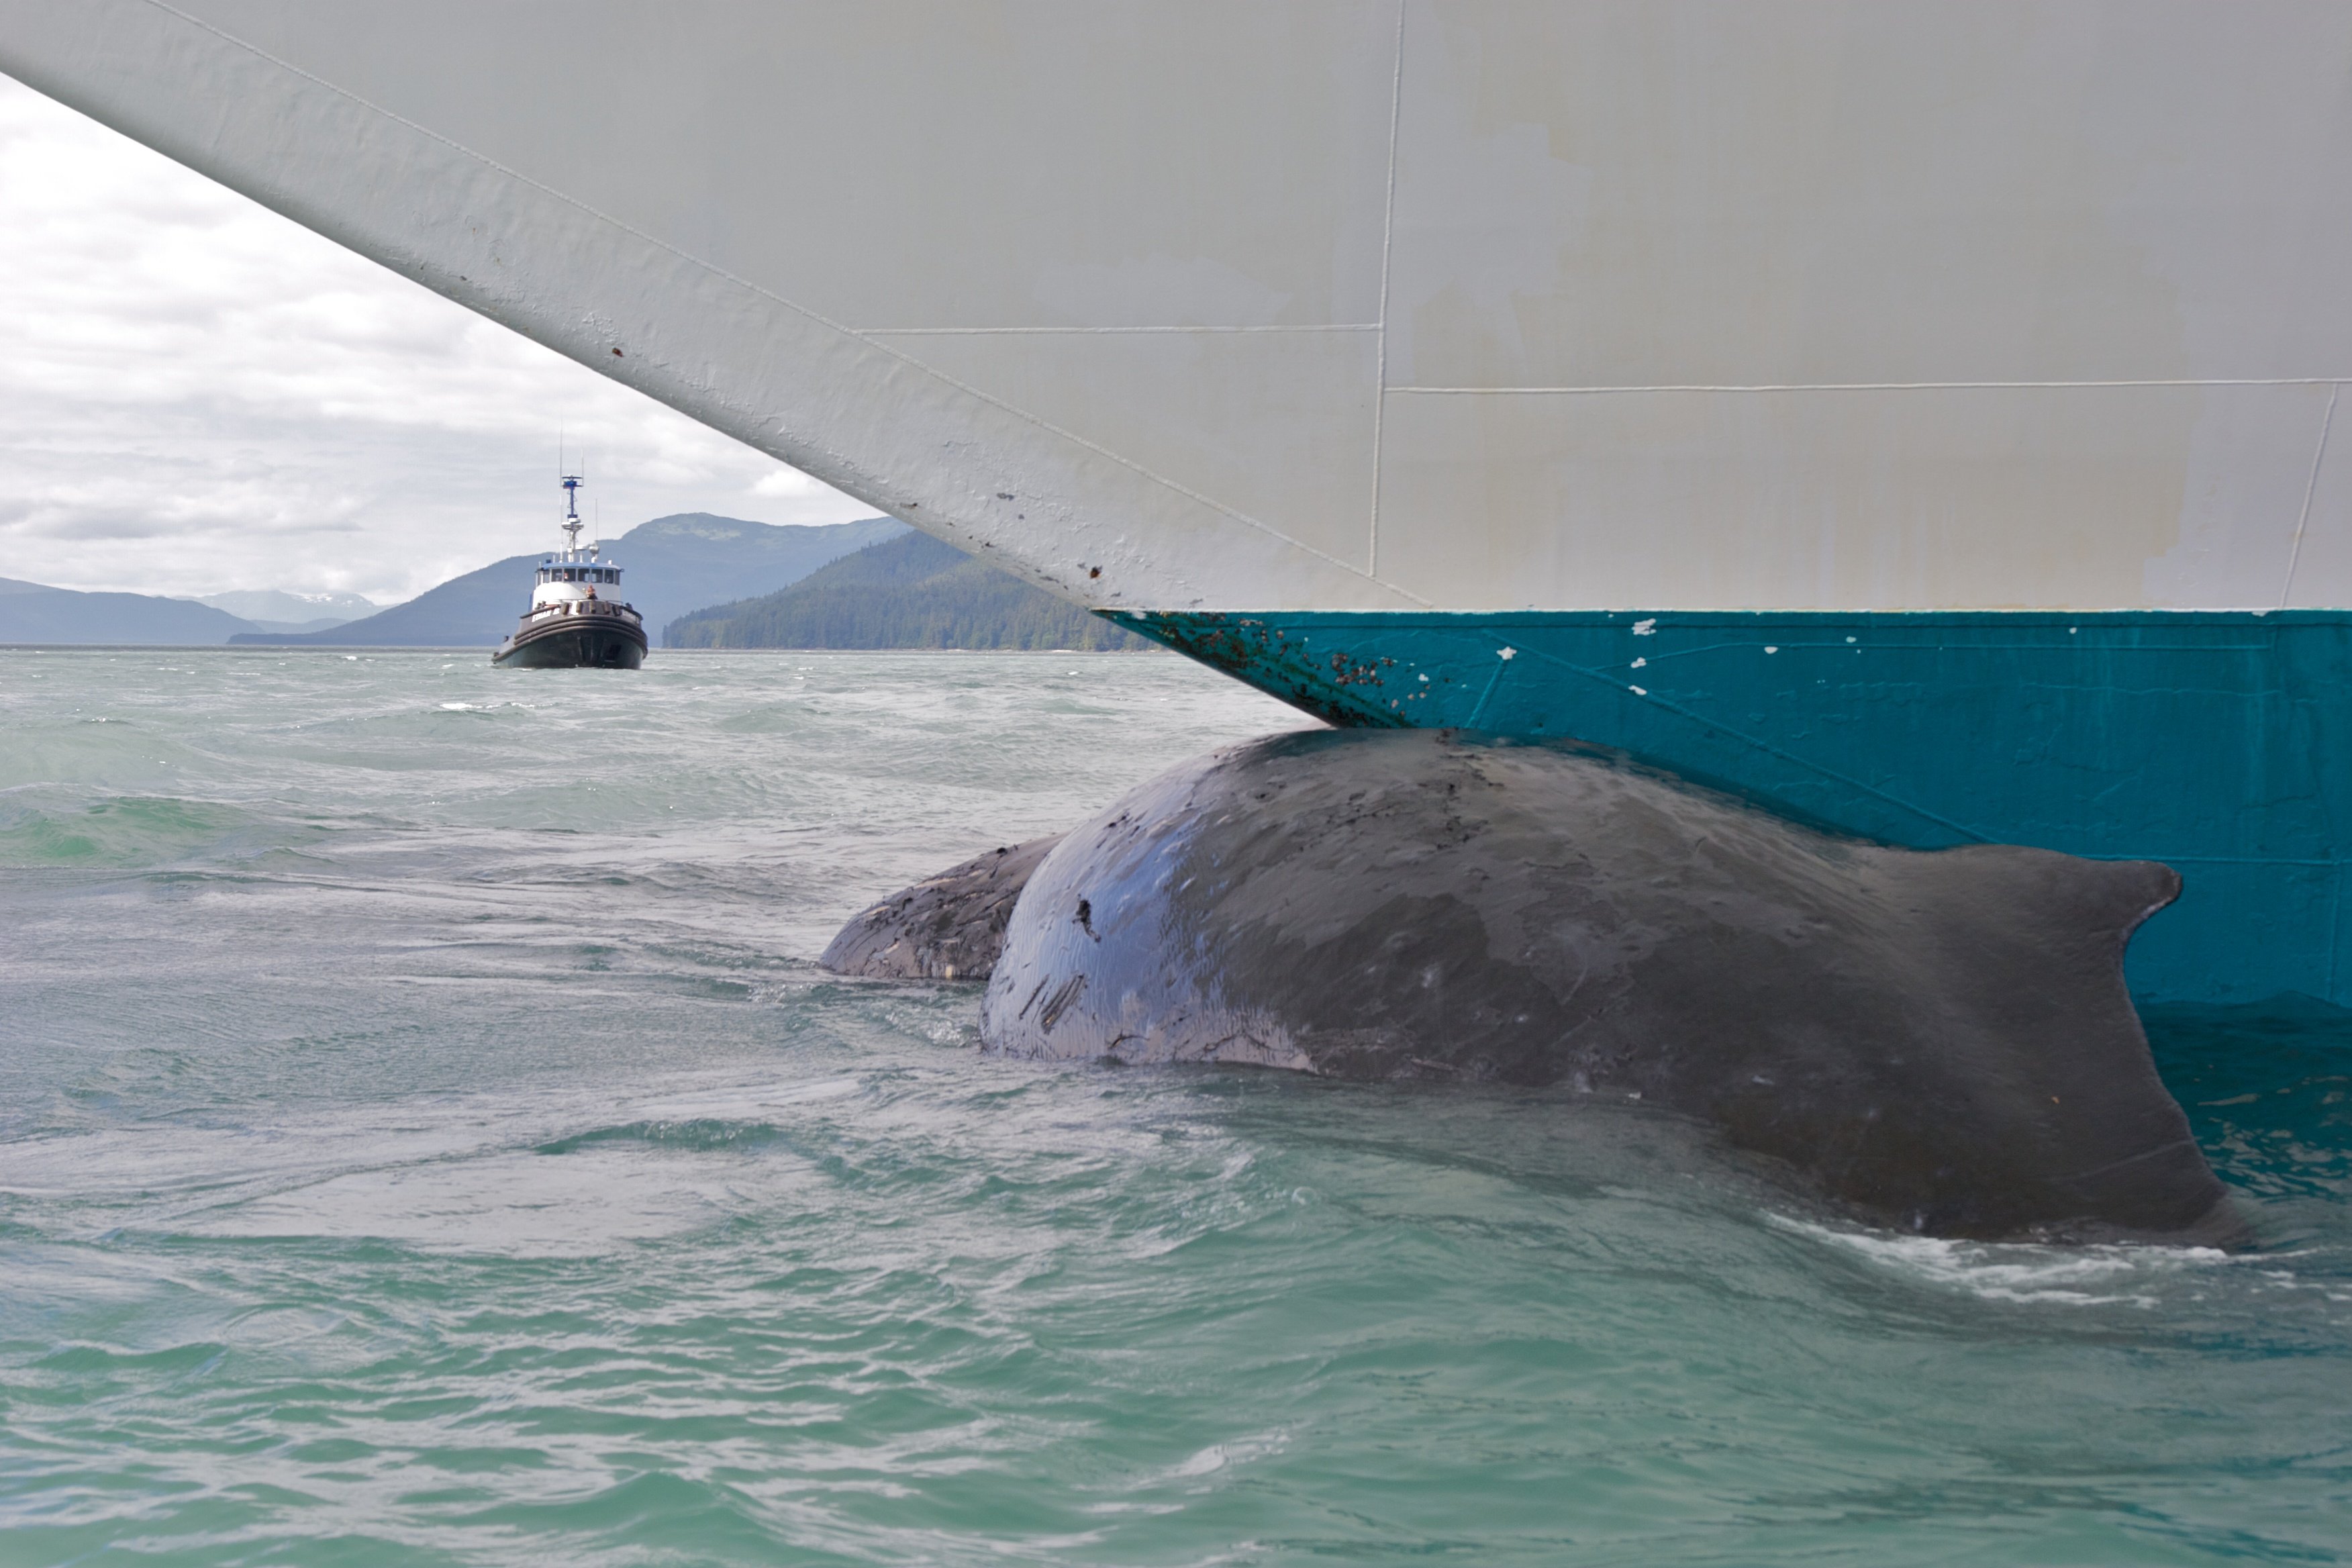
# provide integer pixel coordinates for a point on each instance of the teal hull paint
(2220, 742)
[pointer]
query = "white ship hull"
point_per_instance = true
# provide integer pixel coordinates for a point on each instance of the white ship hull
(1882, 305)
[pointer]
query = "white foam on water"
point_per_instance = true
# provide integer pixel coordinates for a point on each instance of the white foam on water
(2087, 1275)
(1219, 1456)
(512, 1203)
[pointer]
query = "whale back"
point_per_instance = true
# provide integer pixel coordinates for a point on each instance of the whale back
(1941, 1038)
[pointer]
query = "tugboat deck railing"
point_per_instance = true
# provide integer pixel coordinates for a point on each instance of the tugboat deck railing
(581, 607)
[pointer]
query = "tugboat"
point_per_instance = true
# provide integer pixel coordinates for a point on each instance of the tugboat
(576, 618)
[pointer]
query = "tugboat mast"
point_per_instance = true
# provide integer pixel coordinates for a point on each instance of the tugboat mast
(570, 524)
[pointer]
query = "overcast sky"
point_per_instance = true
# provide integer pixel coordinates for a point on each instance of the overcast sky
(197, 395)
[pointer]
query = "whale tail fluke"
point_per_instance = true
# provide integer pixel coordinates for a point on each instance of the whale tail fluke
(2038, 1034)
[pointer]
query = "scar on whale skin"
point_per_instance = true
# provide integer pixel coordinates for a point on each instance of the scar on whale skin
(1940, 1040)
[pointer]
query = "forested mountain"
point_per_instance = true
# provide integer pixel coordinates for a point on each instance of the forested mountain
(668, 566)
(911, 592)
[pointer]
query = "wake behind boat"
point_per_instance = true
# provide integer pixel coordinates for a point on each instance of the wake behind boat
(571, 623)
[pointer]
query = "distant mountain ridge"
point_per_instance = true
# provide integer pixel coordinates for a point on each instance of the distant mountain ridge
(710, 581)
(35, 612)
(274, 610)
(907, 592)
(669, 567)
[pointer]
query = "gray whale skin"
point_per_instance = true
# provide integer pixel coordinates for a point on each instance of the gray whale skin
(946, 927)
(1941, 1040)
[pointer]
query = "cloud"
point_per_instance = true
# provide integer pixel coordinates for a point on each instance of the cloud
(197, 396)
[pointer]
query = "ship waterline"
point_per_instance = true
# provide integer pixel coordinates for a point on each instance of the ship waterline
(2219, 743)
(1411, 334)
(591, 636)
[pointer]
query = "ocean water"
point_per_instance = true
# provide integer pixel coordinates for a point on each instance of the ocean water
(428, 1139)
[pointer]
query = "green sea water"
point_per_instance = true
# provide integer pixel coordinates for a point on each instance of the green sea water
(427, 1139)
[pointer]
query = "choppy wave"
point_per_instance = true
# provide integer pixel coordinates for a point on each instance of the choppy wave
(117, 831)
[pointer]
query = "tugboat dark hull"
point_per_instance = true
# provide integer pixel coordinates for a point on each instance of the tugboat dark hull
(567, 645)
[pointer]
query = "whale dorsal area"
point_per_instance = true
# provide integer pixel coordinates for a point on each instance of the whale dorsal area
(1942, 1040)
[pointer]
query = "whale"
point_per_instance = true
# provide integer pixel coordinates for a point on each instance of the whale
(1937, 1041)
(949, 926)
